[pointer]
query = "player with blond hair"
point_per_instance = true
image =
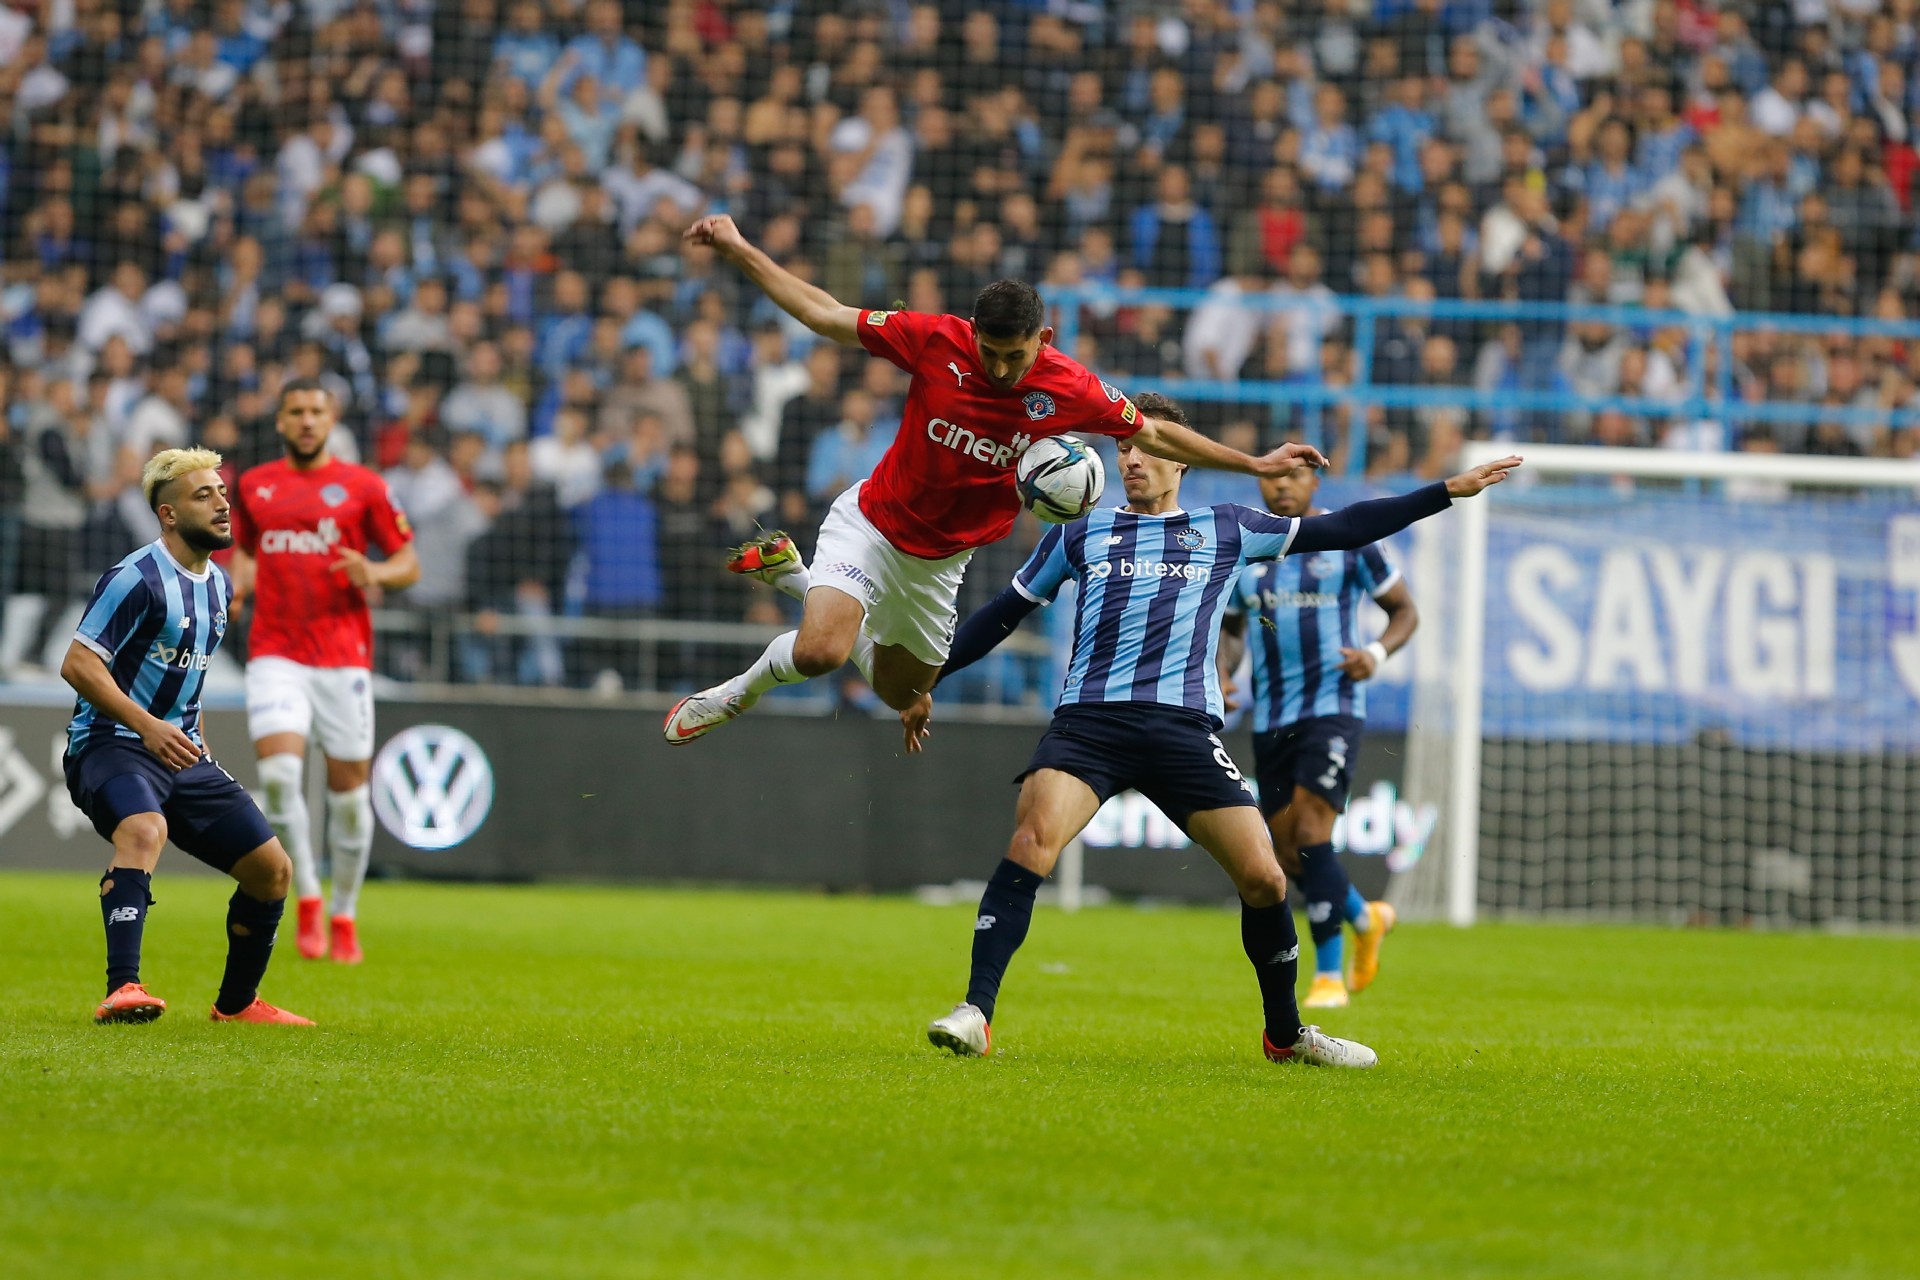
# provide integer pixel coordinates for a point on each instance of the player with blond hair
(137, 762)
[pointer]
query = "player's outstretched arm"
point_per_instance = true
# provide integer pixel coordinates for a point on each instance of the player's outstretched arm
(978, 636)
(1175, 443)
(1351, 528)
(83, 669)
(812, 306)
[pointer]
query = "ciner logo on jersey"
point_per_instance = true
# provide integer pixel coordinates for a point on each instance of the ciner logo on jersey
(980, 448)
(307, 542)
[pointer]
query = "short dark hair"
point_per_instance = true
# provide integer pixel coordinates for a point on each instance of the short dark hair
(1009, 309)
(293, 385)
(1155, 405)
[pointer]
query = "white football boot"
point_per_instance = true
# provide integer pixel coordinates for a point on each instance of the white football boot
(1318, 1049)
(965, 1031)
(703, 712)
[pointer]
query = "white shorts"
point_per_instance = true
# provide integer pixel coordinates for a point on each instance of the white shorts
(332, 706)
(910, 602)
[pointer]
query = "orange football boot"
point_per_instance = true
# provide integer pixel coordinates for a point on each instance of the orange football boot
(130, 1003)
(261, 1011)
(346, 944)
(1366, 946)
(312, 937)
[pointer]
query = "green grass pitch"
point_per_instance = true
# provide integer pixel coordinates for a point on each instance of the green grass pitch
(585, 1082)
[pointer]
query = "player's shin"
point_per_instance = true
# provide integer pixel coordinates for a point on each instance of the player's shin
(771, 670)
(125, 895)
(1006, 910)
(1324, 883)
(251, 925)
(1273, 945)
(349, 842)
(286, 811)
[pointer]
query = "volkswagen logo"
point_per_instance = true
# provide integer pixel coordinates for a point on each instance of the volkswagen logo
(432, 786)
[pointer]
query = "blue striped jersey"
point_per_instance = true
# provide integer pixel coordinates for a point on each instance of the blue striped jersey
(1300, 614)
(156, 626)
(1146, 625)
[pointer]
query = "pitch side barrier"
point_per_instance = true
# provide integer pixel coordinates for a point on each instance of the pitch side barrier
(532, 786)
(1699, 398)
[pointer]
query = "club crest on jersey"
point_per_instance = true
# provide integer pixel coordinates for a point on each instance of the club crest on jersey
(1113, 392)
(220, 623)
(334, 494)
(1190, 539)
(1039, 405)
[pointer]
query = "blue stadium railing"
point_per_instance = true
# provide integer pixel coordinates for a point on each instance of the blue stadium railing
(1703, 400)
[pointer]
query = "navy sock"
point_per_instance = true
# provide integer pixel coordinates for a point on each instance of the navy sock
(125, 895)
(1324, 884)
(1006, 909)
(1273, 944)
(251, 925)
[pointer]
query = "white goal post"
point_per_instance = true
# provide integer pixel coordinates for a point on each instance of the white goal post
(1656, 684)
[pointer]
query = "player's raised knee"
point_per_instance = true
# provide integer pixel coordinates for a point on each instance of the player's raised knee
(815, 656)
(266, 873)
(140, 833)
(1262, 886)
(1034, 848)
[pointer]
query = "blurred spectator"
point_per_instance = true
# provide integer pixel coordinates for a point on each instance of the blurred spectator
(620, 535)
(464, 216)
(567, 459)
(848, 451)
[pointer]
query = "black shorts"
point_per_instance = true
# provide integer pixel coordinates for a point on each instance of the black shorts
(1169, 755)
(208, 814)
(1315, 753)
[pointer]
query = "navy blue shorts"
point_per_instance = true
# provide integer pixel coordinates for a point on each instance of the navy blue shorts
(1169, 755)
(1315, 753)
(208, 814)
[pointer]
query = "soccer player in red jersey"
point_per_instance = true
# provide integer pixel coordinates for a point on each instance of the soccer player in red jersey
(303, 526)
(887, 567)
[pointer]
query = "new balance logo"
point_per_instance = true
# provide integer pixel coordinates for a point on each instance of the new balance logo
(960, 375)
(1319, 912)
(1116, 540)
(123, 915)
(986, 922)
(1288, 956)
(263, 493)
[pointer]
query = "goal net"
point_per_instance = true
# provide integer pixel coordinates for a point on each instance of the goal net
(1671, 686)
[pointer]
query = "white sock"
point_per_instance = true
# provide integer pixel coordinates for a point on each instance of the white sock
(794, 583)
(863, 655)
(349, 841)
(770, 670)
(286, 811)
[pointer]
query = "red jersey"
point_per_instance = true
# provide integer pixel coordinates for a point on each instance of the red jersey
(946, 484)
(294, 523)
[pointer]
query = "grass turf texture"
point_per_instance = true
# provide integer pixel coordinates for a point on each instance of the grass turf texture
(605, 1082)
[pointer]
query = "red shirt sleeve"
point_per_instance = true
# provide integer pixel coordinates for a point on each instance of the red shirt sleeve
(897, 336)
(387, 525)
(245, 535)
(1104, 409)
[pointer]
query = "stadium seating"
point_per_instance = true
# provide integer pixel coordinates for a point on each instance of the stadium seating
(465, 215)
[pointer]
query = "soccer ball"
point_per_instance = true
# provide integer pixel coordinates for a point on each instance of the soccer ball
(1060, 479)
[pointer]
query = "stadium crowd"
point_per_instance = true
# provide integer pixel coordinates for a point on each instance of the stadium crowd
(465, 216)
